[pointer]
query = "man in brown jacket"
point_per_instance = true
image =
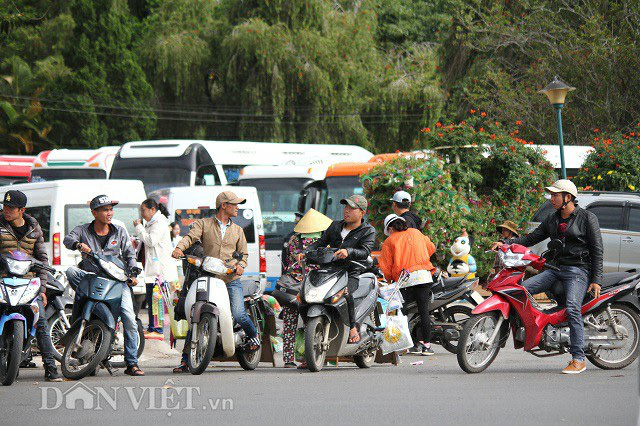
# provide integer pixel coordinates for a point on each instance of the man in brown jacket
(21, 232)
(220, 238)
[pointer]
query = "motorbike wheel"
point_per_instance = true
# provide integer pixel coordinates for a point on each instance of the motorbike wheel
(365, 360)
(200, 356)
(458, 315)
(57, 329)
(13, 340)
(96, 342)
(118, 360)
(313, 338)
(473, 355)
(249, 360)
(615, 359)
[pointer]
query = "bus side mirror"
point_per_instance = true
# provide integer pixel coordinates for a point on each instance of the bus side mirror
(302, 201)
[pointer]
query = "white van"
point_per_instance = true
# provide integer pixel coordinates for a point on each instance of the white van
(186, 204)
(61, 205)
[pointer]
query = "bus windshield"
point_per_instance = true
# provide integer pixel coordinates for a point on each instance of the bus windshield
(279, 203)
(154, 177)
(337, 188)
(63, 173)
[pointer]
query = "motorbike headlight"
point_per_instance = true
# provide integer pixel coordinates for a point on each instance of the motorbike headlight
(317, 294)
(18, 267)
(30, 293)
(114, 271)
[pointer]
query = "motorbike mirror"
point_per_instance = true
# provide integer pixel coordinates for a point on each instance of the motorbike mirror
(555, 245)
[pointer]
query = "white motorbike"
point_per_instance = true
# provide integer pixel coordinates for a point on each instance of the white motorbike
(208, 312)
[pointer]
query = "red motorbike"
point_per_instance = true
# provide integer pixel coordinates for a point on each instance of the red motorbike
(611, 321)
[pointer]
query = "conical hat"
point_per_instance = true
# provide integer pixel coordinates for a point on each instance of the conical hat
(313, 221)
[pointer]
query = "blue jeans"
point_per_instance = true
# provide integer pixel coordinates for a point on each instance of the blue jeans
(575, 281)
(236, 299)
(127, 316)
(44, 341)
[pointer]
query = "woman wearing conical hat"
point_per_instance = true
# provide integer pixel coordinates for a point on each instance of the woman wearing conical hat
(306, 232)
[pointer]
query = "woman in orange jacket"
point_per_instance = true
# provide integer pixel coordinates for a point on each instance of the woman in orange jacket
(409, 249)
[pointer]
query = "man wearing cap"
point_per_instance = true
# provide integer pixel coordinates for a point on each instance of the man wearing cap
(354, 239)
(104, 237)
(580, 260)
(220, 238)
(401, 203)
(20, 231)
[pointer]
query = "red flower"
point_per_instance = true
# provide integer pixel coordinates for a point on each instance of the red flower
(473, 111)
(531, 172)
(438, 124)
(518, 123)
(426, 130)
(483, 114)
(440, 134)
(596, 130)
(482, 129)
(493, 136)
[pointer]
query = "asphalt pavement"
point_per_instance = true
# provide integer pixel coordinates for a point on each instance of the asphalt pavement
(517, 389)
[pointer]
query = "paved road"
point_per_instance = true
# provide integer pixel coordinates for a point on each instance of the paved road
(517, 389)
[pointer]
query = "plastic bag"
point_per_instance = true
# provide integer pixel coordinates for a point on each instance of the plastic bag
(299, 344)
(393, 297)
(396, 336)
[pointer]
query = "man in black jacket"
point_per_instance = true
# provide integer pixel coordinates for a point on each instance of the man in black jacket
(580, 260)
(354, 239)
(401, 204)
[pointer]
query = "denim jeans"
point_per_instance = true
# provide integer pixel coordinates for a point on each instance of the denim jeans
(575, 281)
(127, 316)
(236, 299)
(149, 299)
(44, 341)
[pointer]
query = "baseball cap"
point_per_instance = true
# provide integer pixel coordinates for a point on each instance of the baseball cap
(563, 185)
(356, 201)
(101, 201)
(15, 198)
(228, 197)
(401, 197)
(389, 220)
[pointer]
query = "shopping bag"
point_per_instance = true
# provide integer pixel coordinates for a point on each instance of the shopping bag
(392, 296)
(299, 344)
(396, 336)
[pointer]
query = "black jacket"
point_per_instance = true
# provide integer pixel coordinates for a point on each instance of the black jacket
(32, 243)
(412, 219)
(582, 244)
(358, 242)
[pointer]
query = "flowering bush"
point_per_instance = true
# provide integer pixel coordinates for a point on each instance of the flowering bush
(613, 164)
(480, 174)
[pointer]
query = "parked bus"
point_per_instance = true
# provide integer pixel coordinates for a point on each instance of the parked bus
(574, 157)
(59, 164)
(15, 168)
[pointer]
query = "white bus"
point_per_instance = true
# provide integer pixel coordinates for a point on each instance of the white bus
(574, 157)
(59, 164)
(171, 163)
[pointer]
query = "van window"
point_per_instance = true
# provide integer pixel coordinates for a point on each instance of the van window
(185, 217)
(634, 219)
(79, 214)
(609, 217)
(39, 175)
(338, 188)
(43, 216)
(207, 176)
(545, 209)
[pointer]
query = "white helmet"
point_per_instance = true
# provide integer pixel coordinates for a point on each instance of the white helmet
(563, 185)
(389, 220)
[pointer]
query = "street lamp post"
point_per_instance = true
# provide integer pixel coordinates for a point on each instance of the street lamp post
(556, 92)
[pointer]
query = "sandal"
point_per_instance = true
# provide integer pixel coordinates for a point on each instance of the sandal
(354, 339)
(182, 368)
(134, 370)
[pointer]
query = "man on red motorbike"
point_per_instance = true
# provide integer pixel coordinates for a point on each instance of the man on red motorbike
(579, 261)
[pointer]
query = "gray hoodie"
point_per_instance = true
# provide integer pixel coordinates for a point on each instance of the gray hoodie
(118, 243)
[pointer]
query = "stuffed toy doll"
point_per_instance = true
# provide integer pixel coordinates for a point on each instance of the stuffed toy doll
(462, 262)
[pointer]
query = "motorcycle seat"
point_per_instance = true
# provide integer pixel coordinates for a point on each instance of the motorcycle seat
(249, 288)
(615, 278)
(366, 284)
(447, 283)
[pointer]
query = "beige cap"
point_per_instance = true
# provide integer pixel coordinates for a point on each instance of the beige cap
(563, 185)
(313, 221)
(228, 197)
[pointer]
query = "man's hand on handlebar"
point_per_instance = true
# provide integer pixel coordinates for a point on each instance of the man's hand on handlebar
(496, 245)
(177, 253)
(83, 248)
(341, 254)
(134, 281)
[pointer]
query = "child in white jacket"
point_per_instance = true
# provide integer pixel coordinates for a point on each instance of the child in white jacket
(157, 248)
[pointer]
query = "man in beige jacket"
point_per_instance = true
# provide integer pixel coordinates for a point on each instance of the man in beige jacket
(220, 238)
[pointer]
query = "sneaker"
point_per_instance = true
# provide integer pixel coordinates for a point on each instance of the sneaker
(416, 349)
(153, 335)
(575, 367)
(427, 351)
(290, 365)
(52, 376)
